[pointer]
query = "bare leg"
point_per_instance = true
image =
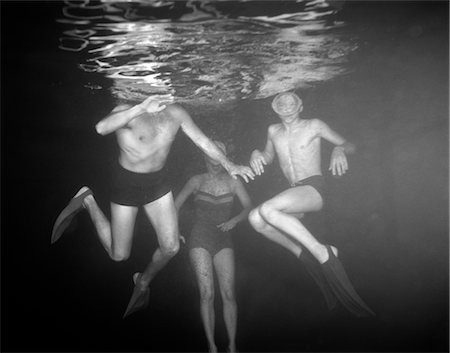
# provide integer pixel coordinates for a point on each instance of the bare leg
(116, 238)
(224, 265)
(163, 216)
(311, 264)
(276, 212)
(273, 234)
(202, 264)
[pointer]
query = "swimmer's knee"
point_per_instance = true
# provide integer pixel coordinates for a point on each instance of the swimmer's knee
(120, 257)
(206, 295)
(255, 218)
(170, 250)
(266, 211)
(228, 295)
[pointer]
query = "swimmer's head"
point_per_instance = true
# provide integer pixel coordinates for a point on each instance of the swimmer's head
(287, 103)
(213, 163)
(222, 146)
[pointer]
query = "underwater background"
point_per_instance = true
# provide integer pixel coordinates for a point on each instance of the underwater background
(376, 72)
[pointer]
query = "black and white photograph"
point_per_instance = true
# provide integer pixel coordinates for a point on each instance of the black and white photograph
(225, 176)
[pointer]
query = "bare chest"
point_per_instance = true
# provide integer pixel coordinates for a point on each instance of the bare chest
(149, 128)
(215, 186)
(302, 141)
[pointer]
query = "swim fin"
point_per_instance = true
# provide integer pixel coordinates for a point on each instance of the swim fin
(139, 298)
(313, 268)
(341, 286)
(67, 214)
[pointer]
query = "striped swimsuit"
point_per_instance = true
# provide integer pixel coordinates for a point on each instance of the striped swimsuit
(210, 211)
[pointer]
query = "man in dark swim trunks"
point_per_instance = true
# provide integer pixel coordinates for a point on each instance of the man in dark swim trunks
(296, 142)
(145, 133)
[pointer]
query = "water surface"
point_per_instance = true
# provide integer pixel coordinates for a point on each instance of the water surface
(208, 52)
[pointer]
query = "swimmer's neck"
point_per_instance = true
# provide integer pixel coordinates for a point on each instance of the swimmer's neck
(215, 174)
(292, 123)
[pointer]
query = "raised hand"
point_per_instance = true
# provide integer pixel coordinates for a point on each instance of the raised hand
(151, 105)
(338, 162)
(257, 162)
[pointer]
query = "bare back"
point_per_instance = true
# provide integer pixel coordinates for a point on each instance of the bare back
(146, 140)
(297, 149)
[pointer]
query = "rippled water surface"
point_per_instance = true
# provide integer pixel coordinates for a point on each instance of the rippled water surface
(207, 52)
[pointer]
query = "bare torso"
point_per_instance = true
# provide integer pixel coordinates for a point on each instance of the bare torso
(146, 140)
(297, 149)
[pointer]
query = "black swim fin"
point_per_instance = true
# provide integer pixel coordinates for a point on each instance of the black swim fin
(314, 269)
(340, 284)
(67, 214)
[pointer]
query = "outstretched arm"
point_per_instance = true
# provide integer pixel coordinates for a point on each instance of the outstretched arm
(259, 159)
(338, 161)
(123, 114)
(244, 198)
(190, 187)
(207, 146)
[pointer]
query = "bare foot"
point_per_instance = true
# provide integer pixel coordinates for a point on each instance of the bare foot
(137, 280)
(83, 189)
(135, 277)
(324, 254)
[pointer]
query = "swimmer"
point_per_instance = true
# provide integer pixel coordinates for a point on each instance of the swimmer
(144, 133)
(210, 244)
(296, 142)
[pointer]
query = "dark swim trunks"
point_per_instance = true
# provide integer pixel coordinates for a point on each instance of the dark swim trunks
(136, 189)
(211, 211)
(317, 182)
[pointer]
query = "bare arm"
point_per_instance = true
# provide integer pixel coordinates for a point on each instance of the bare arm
(244, 198)
(259, 159)
(207, 146)
(338, 161)
(333, 137)
(190, 187)
(121, 115)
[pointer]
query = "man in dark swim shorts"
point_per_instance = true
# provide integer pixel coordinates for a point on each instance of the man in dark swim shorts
(317, 182)
(296, 142)
(137, 189)
(145, 133)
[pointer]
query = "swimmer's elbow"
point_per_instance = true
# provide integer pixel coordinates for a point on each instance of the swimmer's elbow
(101, 129)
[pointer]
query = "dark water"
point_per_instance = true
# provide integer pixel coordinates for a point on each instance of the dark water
(389, 215)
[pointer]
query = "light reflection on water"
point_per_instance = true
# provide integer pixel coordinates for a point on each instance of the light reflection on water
(207, 52)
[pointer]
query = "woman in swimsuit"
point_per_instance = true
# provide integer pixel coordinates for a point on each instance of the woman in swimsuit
(210, 244)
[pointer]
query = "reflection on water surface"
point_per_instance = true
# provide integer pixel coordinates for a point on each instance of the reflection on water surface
(207, 52)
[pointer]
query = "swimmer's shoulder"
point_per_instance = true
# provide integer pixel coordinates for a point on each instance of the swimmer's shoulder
(176, 111)
(195, 181)
(198, 179)
(317, 125)
(274, 129)
(314, 122)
